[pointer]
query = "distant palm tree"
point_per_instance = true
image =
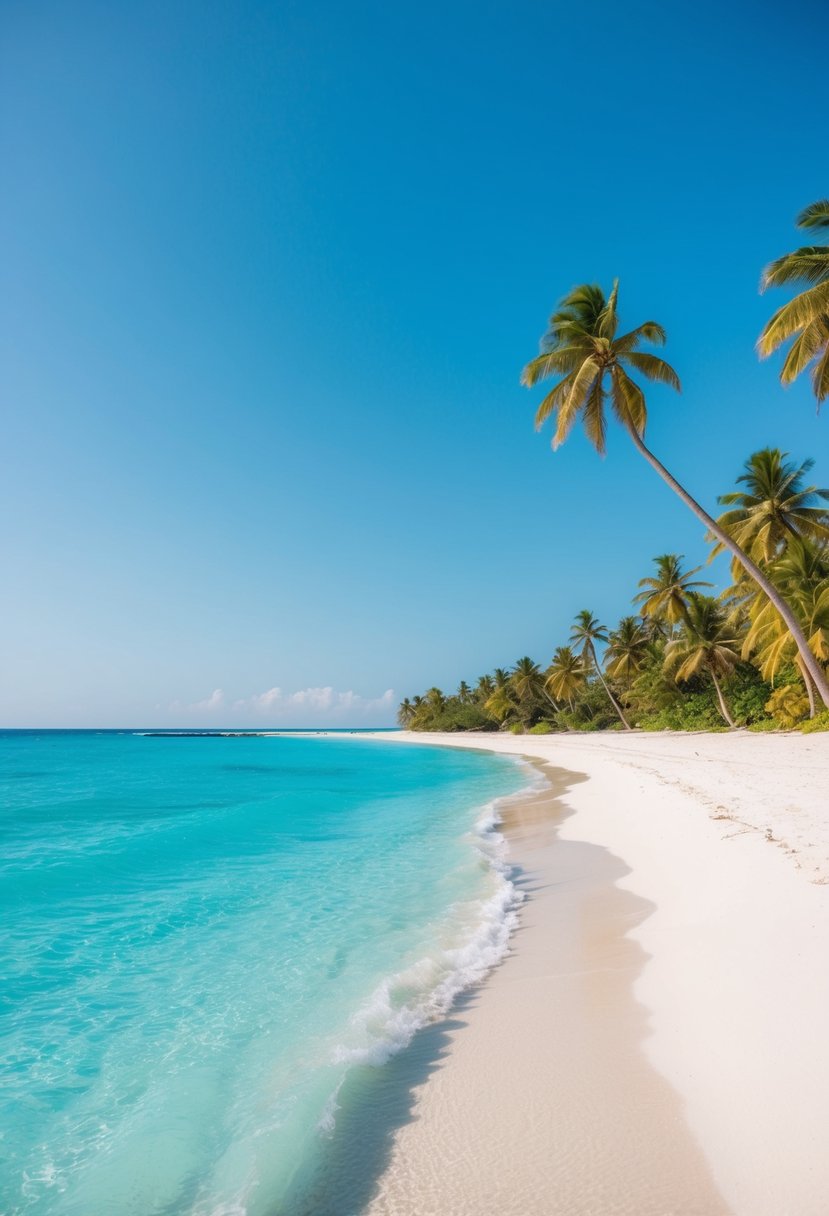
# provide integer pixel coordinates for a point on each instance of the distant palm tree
(565, 676)
(501, 677)
(705, 645)
(581, 346)
(585, 633)
(405, 713)
(484, 687)
(627, 650)
(464, 693)
(775, 506)
(807, 315)
(435, 699)
(665, 595)
(502, 703)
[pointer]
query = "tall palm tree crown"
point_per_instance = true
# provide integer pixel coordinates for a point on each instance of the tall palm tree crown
(566, 674)
(665, 594)
(774, 506)
(807, 315)
(581, 346)
(627, 649)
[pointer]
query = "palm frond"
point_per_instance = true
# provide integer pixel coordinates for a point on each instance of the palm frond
(568, 410)
(803, 310)
(628, 400)
(820, 378)
(816, 215)
(654, 368)
(810, 264)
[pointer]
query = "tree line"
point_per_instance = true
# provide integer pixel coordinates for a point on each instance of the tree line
(755, 655)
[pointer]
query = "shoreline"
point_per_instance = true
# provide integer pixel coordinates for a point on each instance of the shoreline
(722, 840)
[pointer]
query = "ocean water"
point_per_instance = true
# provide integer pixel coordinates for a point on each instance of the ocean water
(202, 940)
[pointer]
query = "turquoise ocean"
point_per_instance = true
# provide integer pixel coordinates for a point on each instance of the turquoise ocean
(212, 947)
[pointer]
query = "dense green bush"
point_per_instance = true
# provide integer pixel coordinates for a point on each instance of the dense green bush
(461, 717)
(516, 728)
(819, 722)
(788, 705)
(541, 728)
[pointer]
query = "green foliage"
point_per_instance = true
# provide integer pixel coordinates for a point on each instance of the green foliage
(516, 728)
(541, 728)
(788, 705)
(765, 724)
(693, 711)
(818, 723)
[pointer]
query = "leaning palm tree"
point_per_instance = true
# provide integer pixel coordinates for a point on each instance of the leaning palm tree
(405, 713)
(583, 349)
(705, 645)
(775, 505)
(665, 595)
(585, 633)
(627, 649)
(566, 676)
(807, 315)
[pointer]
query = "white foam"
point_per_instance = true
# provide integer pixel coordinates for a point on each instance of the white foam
(425, 991)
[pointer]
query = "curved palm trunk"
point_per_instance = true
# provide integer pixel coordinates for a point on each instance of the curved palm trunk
(806, 657)
(611, 697)
(810, 692)
(721, 699)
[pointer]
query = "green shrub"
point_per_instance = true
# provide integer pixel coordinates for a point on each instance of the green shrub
(788, 705)
(819, 722)
(541, 728)
(515, 728)
(765, 724)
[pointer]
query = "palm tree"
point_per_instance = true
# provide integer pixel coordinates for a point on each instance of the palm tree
(581, 346)
(566, 675)
(464, 693)
(807, 315)
(704, 645)
(585, 633)
(501, 703)
(802, 572)
(627, 650)
(775, 506)
(435, 699)
(484, 688)
(665, 596)
(501, 677)
(405, 713)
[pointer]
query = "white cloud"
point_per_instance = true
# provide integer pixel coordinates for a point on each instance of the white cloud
(306, 706)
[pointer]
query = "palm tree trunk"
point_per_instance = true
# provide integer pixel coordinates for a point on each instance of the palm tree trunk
(807, 680)
(721, 699)
(806, 657)
(613, 700)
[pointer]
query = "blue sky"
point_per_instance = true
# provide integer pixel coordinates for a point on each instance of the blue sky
(270, 274)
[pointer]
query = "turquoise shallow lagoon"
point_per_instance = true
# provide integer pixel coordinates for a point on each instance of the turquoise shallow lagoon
(203, 939)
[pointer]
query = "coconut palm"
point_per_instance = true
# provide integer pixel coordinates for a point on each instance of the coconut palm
(405, 713)
(435, 699)
(627, 649)
(464, 693)
(807, 315)
(566, 676)
(484, 687)
(665, 594)
(705, 645)
(803, 574)
(775, 505)
(501, 677)
(502, 703)
(585, 633)
(583, 349)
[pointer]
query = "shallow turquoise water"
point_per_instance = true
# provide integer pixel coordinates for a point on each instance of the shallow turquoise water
(201, 937)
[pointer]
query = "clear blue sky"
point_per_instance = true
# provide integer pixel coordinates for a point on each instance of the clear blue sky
(270, 274)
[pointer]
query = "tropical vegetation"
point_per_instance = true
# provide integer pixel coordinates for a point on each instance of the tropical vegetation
(755, 655)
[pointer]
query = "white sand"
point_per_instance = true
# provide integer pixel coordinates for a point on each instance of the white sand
(721, 844)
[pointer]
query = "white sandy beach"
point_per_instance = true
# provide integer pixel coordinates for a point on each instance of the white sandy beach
(657, 1042)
